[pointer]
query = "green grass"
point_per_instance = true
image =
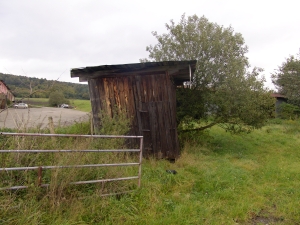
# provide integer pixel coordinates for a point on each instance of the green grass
(229, 179)
(82, 105)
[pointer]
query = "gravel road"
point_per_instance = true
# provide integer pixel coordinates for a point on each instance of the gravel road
(38, 117)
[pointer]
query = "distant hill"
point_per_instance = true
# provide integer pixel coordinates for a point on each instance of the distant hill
(24, 87)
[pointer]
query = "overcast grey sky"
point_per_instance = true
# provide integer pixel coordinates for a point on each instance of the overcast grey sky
(45, 39)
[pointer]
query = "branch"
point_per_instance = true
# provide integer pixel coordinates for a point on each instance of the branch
(199, 128)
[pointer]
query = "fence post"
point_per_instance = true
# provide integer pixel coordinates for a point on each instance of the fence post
(40, 176)
(92, 124)
(140, 161)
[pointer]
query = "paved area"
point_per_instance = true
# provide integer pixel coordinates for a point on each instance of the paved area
(38, 117)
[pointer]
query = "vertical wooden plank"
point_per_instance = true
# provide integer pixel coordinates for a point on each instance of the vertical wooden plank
(162, 138)
(123, 95)
(116, 94)
(137, 97)
(171, 98)
(146, 130)
(130, 82)
(95, 101)
(162, 87)
(130, 95)
(168, 139)
(173, 127)
(141, 89)
(128, 100)
(107, 97)
(112, 105)
(153, 129)
(150, 88)
(154, 88)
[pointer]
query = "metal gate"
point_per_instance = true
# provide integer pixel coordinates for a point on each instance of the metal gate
(40, 169)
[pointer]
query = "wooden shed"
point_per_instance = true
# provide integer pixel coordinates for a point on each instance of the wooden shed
(146, 92)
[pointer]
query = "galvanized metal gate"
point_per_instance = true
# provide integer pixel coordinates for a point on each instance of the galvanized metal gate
(40, 169)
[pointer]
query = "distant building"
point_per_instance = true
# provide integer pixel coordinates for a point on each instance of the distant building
(279, 100)
(5, 95)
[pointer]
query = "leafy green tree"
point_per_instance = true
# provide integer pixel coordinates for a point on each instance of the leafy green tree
(287, 79)
(57, 98)
(223, 91)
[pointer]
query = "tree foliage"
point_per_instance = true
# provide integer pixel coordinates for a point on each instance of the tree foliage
(26, 87)
(223, 91)
(57, 98)
(287, 79)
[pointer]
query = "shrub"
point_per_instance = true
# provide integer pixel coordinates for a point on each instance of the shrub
(57, 98)
(289, 111)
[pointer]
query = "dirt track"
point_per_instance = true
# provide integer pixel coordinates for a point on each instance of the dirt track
(38, 117)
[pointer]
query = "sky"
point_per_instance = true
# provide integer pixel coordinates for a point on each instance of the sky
(46, 39)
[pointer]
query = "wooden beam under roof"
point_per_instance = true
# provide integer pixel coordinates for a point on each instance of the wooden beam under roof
(179, 70)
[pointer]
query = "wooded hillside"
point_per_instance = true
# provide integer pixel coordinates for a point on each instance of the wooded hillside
(24, 87)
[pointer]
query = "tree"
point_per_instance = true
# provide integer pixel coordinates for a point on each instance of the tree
(223, 91)
(287, 79)
(57, 98)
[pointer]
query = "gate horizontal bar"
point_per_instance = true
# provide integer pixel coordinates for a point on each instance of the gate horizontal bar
(66, 150)
(69, 135)
(77, 182)
(69, 166)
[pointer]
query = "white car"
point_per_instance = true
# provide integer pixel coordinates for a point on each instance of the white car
(21, 106)
(64, 106)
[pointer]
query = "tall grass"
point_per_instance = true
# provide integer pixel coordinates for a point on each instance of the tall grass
(60, 191)
(228, 179)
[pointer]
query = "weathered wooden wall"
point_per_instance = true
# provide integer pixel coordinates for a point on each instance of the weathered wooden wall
(2, 101)
(149, 100)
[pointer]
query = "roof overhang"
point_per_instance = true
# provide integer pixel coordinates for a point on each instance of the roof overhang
(179, 70)
(276, 95)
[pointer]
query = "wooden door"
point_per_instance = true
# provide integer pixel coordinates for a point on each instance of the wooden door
(157, 116)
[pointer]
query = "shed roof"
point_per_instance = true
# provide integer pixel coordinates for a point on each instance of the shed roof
(179, 70)
(276, 95)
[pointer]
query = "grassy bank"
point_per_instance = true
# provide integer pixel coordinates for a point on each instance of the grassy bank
(82, 105)
(223, 179)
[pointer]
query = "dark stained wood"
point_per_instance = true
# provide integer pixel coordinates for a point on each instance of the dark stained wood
(149, 101)
(95, 101)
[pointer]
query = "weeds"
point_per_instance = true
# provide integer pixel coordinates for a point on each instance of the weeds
(37, 204)
(221, 179)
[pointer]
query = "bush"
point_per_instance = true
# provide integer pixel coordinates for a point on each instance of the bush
(57, 98)
(289, 111)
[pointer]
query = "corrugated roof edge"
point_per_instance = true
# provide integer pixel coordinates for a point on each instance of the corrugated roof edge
(129, 67)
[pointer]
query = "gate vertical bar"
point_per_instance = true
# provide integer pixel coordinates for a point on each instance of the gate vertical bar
(140, 161)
